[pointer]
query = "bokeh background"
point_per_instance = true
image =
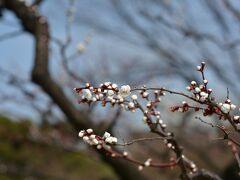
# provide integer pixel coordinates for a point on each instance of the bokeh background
(155, 43)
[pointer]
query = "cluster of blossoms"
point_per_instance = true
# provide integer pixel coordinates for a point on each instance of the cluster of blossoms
(92, 139)
(200, 92)
(227, 106)
(127, 98)
(203, 95)
(110, 93)
(107, 93)
(106, 142)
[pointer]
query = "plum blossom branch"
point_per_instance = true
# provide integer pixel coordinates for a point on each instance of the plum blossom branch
(129, 99)
(109, 93)
(103, 143)
(203, 96)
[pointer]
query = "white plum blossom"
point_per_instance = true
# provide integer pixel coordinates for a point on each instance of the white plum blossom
(114, 86)
(188, 88)
(100, 96)
(204, 95)
(111, 140)
(120, 98)
(125, 153)
(107, 84)
(193, 165)
(89, 138)
(134, 97)
(236, 118)
(125, 90)
(81, 133)
(85, 138)
(106, 135)
(144, 119)
(95, 141)
(163, 125)
(81, 47)
(145, 94)
(87, 94)
(131, 105)
(226, 108)
(92, 136)
(193, 83)
(205, 81)
(114, 139)
(91, 141)
(197, 90)
(99, 146)
(233, 106)
(89, 131)
(140, 168)
(147, 162)
(110, 92)
(169, 145)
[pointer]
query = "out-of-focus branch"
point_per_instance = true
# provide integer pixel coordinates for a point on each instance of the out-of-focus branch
(232, 9)
(20, 84)
(63, 46)
(37, 2)
(140, 140)
(114, 120)
(37, 25)
(223, 129)
(10, 35)
(117, 155)
(40, 72)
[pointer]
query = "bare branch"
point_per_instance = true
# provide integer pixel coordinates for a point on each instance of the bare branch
(10, 35)
(141, 140)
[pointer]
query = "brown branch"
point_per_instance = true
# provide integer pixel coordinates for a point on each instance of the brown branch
(37, 25)
(209, 102)
(114, 120)
(221, 128)
(231, 8)
(40, 72)
(178, 150)
(115, 154)
(203, 174)
(10, 35)
(140, 140)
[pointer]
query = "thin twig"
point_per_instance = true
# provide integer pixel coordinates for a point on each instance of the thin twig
(141, 140)
(223, 129)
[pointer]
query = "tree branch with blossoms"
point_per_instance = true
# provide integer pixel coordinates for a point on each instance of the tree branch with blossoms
(131, 99)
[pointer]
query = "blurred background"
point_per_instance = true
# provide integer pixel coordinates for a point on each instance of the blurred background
(155, 43)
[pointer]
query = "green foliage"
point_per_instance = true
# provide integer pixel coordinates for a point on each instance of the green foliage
(27, 158)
